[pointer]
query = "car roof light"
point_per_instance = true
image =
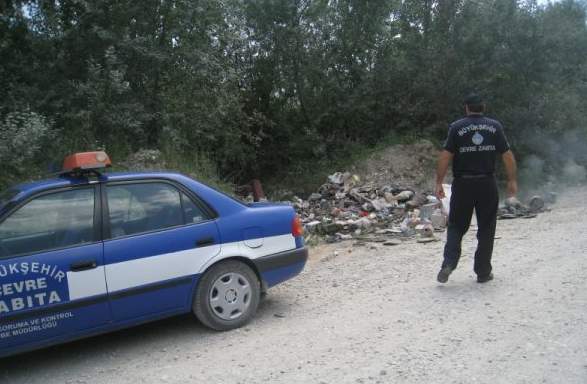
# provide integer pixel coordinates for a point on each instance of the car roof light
(86, 161)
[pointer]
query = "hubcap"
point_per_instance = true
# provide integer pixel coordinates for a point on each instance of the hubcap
(230, 296)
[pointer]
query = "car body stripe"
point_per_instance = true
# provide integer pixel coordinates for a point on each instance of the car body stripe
(271, 245)
(86, 283)
(151, 270)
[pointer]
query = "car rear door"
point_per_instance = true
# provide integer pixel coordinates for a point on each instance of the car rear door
(52, 282)
(159, 238)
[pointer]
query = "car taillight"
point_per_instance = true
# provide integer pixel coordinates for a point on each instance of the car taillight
(296, 227)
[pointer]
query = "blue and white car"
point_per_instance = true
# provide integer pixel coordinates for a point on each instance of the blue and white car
(82, 255)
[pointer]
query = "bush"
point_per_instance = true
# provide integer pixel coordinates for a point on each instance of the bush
(22, 137)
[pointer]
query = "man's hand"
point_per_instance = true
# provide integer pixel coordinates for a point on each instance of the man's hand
(512, 188)
(440, 191)
(511, 169)
(444, 159)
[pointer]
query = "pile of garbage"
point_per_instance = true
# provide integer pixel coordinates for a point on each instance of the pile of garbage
(514, 208)
(344, 208)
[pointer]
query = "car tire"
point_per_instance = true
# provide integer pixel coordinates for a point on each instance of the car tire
(227, 296)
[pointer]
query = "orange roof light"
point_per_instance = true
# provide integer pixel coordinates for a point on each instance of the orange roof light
(86, 161)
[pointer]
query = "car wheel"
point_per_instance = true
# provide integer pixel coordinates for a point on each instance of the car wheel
(227, 296)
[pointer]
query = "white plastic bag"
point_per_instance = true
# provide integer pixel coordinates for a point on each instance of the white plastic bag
(446, 201)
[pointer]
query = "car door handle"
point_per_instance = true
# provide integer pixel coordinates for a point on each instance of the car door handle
(83, 265)
(205, 241)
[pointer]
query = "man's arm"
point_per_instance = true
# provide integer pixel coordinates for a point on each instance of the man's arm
(509, 162)
(444, 159)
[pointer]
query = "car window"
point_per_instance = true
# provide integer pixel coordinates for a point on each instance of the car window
(57, 220)
(192, 213)
(137, 208)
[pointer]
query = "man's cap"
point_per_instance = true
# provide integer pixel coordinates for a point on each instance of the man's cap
(473, 99)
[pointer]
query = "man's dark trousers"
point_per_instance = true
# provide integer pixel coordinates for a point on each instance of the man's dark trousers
(468, 193)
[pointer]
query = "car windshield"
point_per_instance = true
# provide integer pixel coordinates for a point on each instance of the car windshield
(6, 196)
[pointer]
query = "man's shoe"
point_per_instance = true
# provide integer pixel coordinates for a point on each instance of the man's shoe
(444, 274)
(485, 279)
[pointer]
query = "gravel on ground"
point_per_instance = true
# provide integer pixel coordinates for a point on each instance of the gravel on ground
(363, 315)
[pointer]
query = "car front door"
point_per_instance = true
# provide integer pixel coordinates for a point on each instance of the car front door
(52, 282)
(160, 237)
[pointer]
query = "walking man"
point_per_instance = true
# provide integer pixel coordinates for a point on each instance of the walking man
(472, 144)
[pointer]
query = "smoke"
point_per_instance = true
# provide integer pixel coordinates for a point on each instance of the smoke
(574, 173)
(532, 171)
(556, 162)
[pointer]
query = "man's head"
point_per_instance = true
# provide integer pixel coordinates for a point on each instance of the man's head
(474, 104)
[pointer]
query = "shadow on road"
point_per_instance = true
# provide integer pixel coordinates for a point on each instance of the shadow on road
(155, 336)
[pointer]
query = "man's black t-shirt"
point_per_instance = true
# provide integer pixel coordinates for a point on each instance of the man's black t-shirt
(475, 142)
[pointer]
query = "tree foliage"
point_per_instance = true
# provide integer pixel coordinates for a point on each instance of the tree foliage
(272, 87)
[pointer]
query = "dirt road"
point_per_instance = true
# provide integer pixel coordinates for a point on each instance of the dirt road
(373, 316)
